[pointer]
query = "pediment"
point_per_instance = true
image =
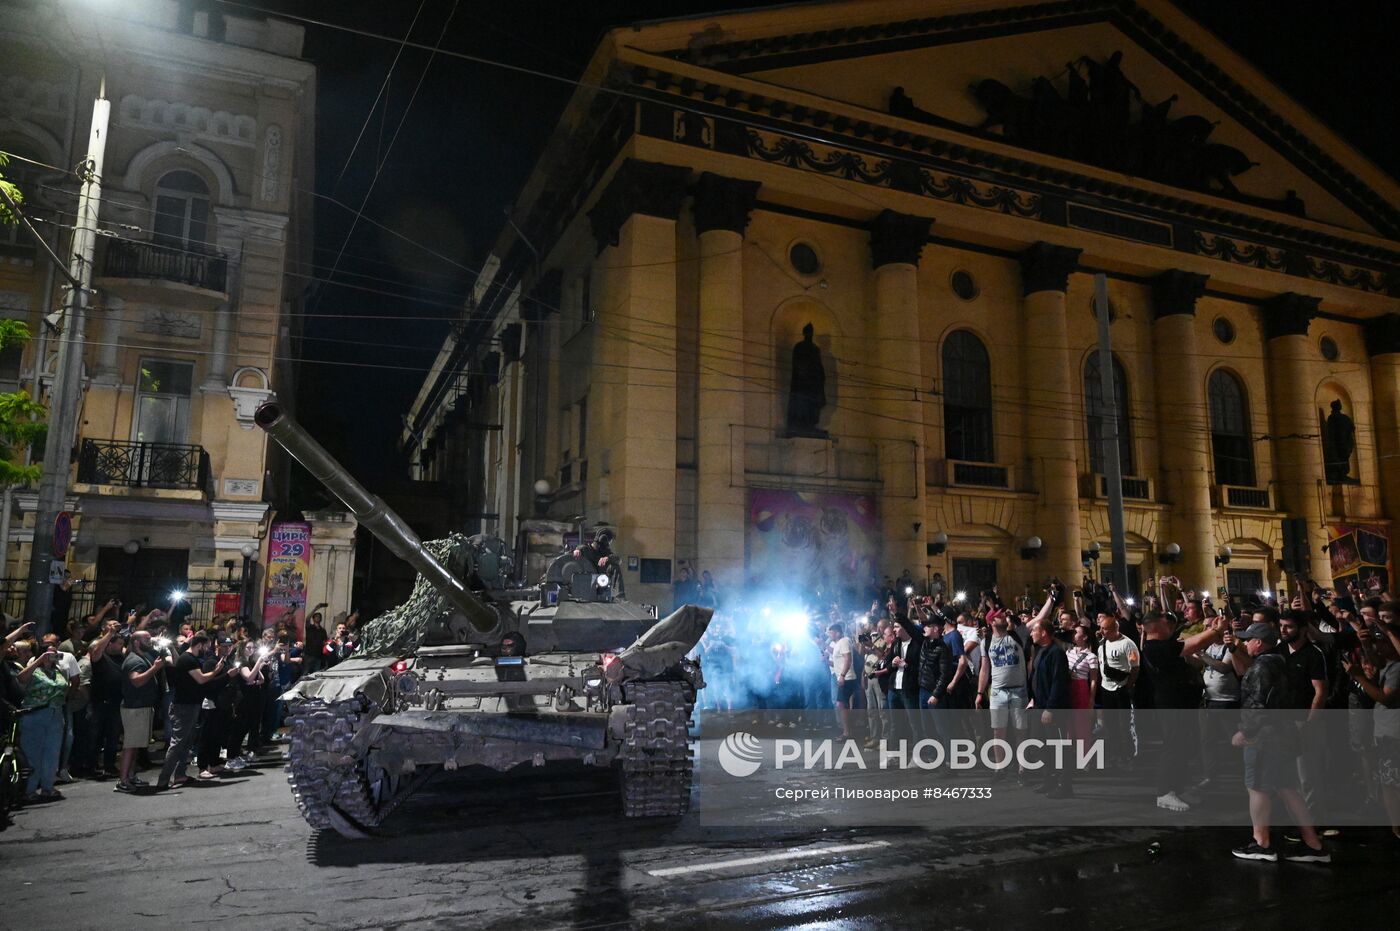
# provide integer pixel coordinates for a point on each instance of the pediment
(1108, 85)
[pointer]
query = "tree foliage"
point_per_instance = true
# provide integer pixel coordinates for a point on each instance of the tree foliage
(22, 420)
(7, 215)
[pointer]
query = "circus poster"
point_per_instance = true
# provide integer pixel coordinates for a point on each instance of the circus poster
(288, 571)
(813, 540)
(1360, 553)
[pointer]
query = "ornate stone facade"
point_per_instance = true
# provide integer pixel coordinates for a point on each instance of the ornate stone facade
(945, 262)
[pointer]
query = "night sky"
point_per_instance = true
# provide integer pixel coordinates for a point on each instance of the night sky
(472, 134)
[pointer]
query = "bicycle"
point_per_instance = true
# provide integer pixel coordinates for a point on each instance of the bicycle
(13, 770)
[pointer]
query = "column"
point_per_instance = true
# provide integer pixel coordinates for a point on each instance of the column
(1051, 385)
(722, 209)
(634, 224)
(1383, 346)
(1297, 448)
(116, 314)
(1183, 424)
(216, 378)
(896, 243)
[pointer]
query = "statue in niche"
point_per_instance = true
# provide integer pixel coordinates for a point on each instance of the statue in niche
(807, 390)
(1338, 443)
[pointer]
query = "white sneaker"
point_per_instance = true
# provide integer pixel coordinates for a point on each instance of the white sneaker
(236, 765)
(1172, 802)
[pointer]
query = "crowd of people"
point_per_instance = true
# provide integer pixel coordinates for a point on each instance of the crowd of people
(1306, 692)
(89, 706)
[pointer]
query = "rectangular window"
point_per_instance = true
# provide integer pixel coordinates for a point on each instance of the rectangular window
(163, 401)
(583, 427)
(10, 359)
(1244, 584)
(1134, 578)
(974, 576)
(585, 298)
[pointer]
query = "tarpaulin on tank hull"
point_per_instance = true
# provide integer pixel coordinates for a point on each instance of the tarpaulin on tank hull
(342, 682)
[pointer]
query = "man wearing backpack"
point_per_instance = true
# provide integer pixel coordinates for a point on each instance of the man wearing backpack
(1270, 742)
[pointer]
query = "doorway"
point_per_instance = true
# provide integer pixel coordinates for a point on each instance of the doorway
(146, 577)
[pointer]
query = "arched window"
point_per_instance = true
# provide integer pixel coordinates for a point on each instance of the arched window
(1094, 406)
(1231, 445)
(182, 211)
(967, 399)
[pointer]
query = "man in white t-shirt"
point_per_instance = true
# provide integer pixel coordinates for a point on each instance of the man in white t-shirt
(1119, 661)
(1002, 678)
(844, 677)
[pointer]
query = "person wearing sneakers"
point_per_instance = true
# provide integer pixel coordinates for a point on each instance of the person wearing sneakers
(140, 689)
(187, 681)
(247, 705)
(1269, 738)
(1175, 690)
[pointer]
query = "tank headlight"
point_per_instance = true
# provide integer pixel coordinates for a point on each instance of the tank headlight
(603, 580)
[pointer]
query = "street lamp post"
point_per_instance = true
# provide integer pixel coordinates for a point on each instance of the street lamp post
(66, 399)
(250, 558)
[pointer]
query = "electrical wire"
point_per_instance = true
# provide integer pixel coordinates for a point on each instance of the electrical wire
(379, 169)
(383, 87)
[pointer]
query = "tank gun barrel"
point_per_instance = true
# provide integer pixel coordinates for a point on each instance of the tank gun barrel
(388, 526)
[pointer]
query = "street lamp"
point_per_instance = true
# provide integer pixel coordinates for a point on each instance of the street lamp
(245, 599)
(1031, 548)
(1171, 554)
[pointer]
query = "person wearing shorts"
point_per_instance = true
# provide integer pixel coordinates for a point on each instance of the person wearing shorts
(1269, 739)
(1002, 679)
(140, 691)
(844, 677)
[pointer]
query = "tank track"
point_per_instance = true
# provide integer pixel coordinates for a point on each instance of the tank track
(657, 765)
(330, 785)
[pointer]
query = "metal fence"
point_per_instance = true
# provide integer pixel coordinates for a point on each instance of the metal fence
(144, 465)
(89, 595)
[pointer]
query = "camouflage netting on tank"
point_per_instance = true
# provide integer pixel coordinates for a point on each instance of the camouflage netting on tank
(401, 629)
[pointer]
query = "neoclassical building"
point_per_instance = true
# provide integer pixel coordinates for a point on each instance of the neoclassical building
(204, 252)
(933, 186)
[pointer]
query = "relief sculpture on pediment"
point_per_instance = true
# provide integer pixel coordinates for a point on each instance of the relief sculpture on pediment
(1092, 112)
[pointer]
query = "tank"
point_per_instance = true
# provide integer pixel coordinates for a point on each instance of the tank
(476, 670)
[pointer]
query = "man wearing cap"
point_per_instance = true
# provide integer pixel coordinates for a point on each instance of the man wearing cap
(1270, 743)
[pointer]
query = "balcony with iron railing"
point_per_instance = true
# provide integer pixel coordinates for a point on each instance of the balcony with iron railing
(127, 464)
(147, 270)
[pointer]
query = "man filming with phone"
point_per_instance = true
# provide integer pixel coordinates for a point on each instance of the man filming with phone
(186, 679)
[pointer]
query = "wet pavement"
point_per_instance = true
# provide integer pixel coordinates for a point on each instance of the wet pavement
(531, 850)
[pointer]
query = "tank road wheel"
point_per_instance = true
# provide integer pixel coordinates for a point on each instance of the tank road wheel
(656, 758)
(332, 786)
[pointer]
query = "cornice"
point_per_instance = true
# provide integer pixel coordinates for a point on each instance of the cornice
(1189, 62)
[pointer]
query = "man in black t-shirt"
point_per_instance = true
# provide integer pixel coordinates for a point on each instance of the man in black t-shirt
(186, 682)
(1307, 684)
(1175, 690)
(140, 692)
(106, 655)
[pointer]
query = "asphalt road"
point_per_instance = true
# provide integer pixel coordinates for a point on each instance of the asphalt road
(529, 851)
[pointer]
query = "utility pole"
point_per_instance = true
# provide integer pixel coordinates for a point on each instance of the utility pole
(1112, 464)
(66, 400)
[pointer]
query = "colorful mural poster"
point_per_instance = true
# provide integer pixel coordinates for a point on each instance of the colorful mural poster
(821, 542)
(288, 571)
(1360, 553)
